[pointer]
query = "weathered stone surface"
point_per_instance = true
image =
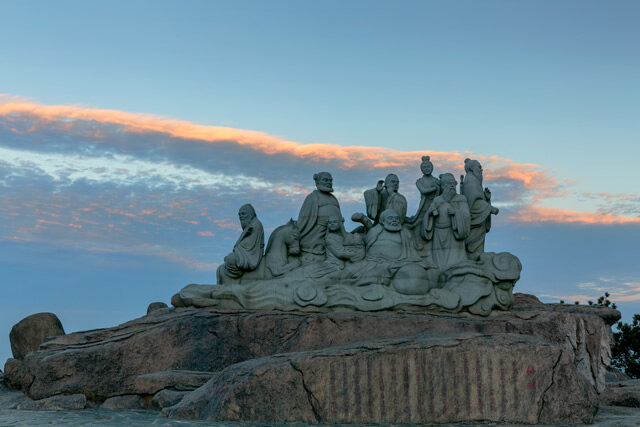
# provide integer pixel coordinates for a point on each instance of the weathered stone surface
(30, 332)
(156, 306)
(166, 398)
(55, 403)
(106, 362)
(525, 299)
(13, 373)
(623, 393)
(427, 379)
(615, 375)
(175, 379)
(129, 401)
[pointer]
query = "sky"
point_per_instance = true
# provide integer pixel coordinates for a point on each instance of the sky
(131, 133)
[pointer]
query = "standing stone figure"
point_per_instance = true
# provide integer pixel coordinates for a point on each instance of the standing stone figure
(429, 187)
(314, 215)
(247, 252)
(385, 196)
(447, 224)
(479, 205)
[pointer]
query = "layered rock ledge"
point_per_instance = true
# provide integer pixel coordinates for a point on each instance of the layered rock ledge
(535, 364)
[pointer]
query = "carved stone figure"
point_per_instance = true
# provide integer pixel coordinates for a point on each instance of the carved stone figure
(385, 196)
(283, 250)
(341, 247)
(390, 250)
(446, 225)
(429, 187)
(247, 252)
(315, 265)
(479, 205)
(316, 210)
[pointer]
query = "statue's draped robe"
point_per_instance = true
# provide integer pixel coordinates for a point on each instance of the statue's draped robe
(480, 209)
(250, 246)
(447, 233)
(429, 188)
(248, 252)
(314, 215)
(378, 202)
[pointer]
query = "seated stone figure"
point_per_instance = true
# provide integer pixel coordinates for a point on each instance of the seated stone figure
(391, 254)
(384, 196)
(394, 274)
(479, 201)
(248, 250)
(342, 248)
(446, 225)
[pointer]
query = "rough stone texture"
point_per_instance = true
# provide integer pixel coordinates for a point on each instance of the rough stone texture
(462, 378)
(623, 393)
(104, 363)
(156, 306)
(30, 332)
(525, 299)
(176, 380)
(13, 373)
(615, 375)
(129, 401)
(166, 398)
(55, 403)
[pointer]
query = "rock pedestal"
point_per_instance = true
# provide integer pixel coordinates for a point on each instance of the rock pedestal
(535, 364)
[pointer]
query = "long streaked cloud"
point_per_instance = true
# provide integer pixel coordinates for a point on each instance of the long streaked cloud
(620, 289)
(112, 181)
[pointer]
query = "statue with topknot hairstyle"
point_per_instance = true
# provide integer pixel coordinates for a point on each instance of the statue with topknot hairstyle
(429, 187)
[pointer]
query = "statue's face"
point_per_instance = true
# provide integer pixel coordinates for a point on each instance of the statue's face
(334, 223)
(426, 168)
(392, 183)
(324, 183)
(392, 222)
(245, 215)
(448, 187)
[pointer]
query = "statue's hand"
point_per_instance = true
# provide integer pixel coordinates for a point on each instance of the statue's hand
(357, 217)
(487, 193)
(495, 210)
(451, 211)
(380, 185)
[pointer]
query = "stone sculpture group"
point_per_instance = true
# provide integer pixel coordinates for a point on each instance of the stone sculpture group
(434, 259)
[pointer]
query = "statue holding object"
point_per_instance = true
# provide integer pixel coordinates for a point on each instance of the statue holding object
(479, 201)
(314, 264)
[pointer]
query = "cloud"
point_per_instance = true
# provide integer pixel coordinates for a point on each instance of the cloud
(620, 289)
(105, 180)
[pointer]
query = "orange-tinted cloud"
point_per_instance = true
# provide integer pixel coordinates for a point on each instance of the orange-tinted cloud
(544, 214)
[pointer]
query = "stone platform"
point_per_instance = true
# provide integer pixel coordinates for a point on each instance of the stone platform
(537, 363)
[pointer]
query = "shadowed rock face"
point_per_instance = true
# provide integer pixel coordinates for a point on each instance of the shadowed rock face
(105, 362)
(427, 379)
(30, 332)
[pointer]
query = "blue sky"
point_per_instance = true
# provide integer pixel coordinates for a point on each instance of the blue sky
(130, 133)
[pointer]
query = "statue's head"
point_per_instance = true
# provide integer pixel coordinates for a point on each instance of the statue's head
(335, 223)
(391, 182)
(426, 166)
(473, 167)
(324, 182)
(448, 184)
(390, 220)
(246, 213)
